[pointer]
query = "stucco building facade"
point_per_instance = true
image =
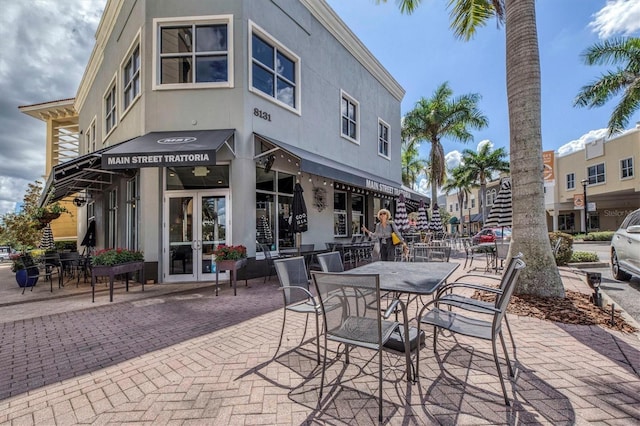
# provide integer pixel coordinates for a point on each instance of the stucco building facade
(197, 119)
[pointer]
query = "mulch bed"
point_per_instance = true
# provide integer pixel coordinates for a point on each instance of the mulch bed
(575, 308)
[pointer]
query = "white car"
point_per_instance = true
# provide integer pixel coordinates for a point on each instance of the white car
(5, 251)
(625, 248)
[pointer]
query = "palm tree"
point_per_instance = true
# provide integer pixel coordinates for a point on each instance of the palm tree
(625, 79)
(530, 233)
(480, 166)
(412, 166)
(442, 116)
(461, 182)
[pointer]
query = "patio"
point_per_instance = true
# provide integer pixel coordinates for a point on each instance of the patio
(215, 366)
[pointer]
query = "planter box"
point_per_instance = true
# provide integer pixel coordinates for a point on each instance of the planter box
(111, 272)
(232, 266)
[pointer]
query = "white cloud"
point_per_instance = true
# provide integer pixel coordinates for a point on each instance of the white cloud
(578, 144)
(484, 142)
(617, 17)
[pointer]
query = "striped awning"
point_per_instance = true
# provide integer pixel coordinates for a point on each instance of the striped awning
(501, 213)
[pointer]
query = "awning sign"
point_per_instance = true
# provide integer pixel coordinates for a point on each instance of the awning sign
(110, 161)
(167, 149)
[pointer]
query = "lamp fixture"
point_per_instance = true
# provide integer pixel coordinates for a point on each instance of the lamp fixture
(79, 201)
(270, 160)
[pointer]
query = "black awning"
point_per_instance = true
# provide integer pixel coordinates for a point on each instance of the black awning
(322, 166)
(167, 149)
(81, 173)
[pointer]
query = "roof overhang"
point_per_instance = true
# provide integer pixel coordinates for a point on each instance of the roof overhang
(322, 166)
(168, 149)
(80, 174)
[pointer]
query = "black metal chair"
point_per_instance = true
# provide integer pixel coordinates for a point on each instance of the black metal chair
(294, 283)
(51, 266)
(269, 258)
(32, 271)
(455, 322)
(330, 262)
(353, 316)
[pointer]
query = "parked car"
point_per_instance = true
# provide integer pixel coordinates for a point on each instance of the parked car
(625, 248)
(490, 235)
(5, 251)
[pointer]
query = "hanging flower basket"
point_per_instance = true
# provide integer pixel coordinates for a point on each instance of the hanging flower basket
(47, 217)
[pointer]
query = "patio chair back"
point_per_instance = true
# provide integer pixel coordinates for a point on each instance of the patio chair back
(507, 285)
(330, 262)
(266, 250)
(292, 272)
(352, 316)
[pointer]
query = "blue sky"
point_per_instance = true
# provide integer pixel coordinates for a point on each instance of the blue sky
(47, 43)
(421, 52)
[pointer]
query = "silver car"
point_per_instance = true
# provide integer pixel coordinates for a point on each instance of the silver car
(625, 248)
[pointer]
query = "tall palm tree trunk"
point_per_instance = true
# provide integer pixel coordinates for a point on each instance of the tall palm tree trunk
(530, 234)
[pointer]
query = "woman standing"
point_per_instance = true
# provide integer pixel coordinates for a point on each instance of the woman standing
(383, 231)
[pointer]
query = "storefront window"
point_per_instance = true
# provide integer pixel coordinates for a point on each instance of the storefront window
(566, 222)
(274, 196)
(132, 214)
(340, 214)
(357, 214)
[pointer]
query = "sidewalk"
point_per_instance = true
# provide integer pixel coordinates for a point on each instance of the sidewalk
(216, 365)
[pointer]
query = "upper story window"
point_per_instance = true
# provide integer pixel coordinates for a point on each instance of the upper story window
(275, 71)
(595, 174)
(491, 195)
(194, 53)
(571, 181)
(91, 137)
(383, 138)
(110, 113)
(626, 168)
(131, 78)
(350, 115)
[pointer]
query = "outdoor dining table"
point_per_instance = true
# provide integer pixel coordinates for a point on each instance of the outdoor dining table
(416, 278)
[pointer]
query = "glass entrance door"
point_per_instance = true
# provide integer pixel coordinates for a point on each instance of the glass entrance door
(196, 222)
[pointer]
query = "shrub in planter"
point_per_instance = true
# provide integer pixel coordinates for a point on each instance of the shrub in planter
(599, 236)
(118, 256)
(566, 247)
(584, 256)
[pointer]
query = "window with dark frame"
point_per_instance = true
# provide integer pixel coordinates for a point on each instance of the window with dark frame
(349, 114)
(571, 181)
(383, 138)
(110, 110)
(273, 71)
(131, 78)
(194, 53)
(626, 168)
(596, 174)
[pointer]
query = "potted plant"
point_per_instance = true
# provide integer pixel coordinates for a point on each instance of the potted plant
(117, 256)
(25, 277)
(111, 262)
(224, 252)
(229, 258)
(50, 212)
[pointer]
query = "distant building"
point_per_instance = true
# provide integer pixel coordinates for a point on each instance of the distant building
(607, 170)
